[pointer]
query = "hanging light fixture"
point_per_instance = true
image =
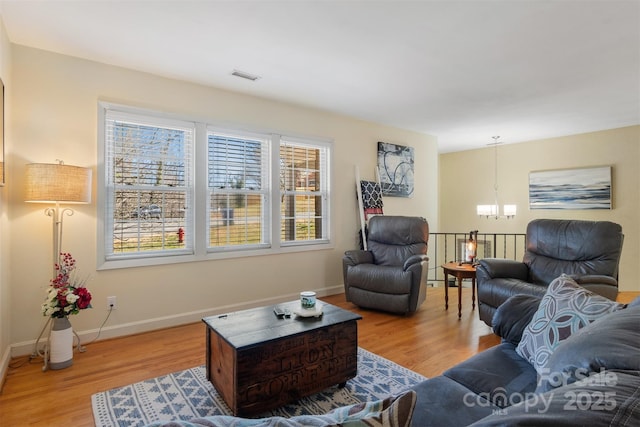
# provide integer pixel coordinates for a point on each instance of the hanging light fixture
(492, 211)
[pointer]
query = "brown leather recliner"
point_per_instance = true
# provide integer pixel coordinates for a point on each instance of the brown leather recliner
(589, 251)
(391, 274)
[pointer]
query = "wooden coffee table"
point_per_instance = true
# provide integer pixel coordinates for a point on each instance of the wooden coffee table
(258, 362)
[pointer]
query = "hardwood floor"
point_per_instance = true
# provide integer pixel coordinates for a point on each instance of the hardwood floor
(428, 342)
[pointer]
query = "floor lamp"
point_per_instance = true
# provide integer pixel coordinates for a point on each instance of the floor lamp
(56, 183)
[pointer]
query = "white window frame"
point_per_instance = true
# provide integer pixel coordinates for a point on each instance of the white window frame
(200, 197)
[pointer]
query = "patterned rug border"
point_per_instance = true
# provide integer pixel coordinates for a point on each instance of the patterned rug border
(188, 394)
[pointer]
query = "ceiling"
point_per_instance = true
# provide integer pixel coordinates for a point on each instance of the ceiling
(462, 71)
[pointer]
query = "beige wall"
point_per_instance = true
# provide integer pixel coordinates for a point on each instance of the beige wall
(55, 117)
(466, 179)
(5, 307)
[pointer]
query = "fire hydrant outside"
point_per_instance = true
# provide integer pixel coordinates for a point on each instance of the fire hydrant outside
(180, 235)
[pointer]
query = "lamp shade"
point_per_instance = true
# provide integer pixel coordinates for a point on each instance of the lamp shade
(57, 182)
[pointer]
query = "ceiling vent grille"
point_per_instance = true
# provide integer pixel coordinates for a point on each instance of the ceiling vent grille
(244, 75)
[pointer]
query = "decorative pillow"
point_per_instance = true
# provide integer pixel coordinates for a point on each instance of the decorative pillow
(565, 308)
(390, 412)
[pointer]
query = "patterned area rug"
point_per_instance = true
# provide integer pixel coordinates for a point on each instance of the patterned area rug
(188, 394)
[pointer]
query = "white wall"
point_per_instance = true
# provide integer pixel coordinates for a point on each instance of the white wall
(618, 148)
(55, 117)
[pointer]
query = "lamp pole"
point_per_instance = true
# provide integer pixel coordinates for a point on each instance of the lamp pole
(57, 216)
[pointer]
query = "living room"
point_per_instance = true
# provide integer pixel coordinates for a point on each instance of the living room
(51, 112)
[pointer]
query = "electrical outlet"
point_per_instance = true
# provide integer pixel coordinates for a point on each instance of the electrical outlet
(111, 303)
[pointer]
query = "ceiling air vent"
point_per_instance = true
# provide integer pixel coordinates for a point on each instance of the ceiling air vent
(244, 75)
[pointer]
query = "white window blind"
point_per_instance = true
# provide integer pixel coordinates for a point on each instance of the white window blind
(149, 186)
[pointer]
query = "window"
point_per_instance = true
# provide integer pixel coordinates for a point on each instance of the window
(177, 190)
(303, 188)
(238, 187)
(149, 192)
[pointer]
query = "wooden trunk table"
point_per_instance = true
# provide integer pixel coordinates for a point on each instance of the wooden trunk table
(258, 362)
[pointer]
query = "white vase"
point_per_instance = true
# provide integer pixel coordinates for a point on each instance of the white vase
(61, 344)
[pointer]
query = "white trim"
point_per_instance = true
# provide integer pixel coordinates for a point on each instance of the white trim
(147, 325)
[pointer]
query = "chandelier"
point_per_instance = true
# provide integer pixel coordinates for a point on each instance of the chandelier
(492, 211)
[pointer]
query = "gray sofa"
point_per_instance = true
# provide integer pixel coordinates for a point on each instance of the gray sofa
(592, 377)
(588, 250)
(391, 274)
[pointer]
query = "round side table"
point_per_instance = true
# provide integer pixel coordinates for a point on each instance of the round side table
(459, 271)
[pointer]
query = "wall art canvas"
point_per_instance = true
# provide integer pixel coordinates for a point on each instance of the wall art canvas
(395, 166)
(583, 188)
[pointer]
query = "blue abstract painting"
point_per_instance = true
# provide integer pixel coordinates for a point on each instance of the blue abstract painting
(584, 188)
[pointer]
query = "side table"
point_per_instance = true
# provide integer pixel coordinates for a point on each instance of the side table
(459, 271)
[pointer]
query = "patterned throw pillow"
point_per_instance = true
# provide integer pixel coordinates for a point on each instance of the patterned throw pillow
(565, 308)
(390, 412)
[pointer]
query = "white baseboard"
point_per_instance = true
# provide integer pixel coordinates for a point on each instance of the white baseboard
(124, 329)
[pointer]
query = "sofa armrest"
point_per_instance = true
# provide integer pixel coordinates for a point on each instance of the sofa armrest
(414, 259)
(355, 257)
(512, 317)
(504, 268)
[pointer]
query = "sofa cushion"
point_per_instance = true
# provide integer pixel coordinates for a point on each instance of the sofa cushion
(442, 402)
(389, 412)
(496, 374)
(611, 342)
(609, 398)
(565, 308)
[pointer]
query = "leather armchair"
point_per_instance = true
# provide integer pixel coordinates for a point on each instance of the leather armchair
(391, 274)
(589, 251)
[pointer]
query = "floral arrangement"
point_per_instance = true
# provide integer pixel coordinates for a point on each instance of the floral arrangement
(66, 295)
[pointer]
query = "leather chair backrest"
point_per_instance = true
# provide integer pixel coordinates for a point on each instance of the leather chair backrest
(393, 239)
(572, 247)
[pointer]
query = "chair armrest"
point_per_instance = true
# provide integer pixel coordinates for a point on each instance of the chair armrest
(512, 317)
(356, 257)
(504, 268)
(414, 259)
(594, 279)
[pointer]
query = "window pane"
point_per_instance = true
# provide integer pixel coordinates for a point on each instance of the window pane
(146, 155)
(149, 220)
(237, 225)
(235, 162)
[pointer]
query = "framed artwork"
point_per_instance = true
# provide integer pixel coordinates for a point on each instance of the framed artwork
(395, 167)
(1, 133)
(583, 188)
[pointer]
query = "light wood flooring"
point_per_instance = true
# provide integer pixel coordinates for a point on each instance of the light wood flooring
(428, 342)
